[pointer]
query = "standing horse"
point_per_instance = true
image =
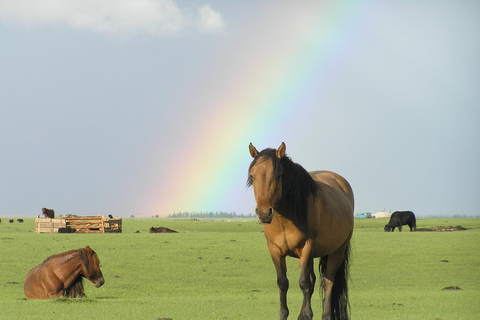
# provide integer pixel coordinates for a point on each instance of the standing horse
(62, 275)
(48, 213)
(305, 215)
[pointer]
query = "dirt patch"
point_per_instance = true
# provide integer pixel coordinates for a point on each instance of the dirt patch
(452, 288)
(451, 228)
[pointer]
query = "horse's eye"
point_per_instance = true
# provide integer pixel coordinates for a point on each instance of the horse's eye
(251, 177)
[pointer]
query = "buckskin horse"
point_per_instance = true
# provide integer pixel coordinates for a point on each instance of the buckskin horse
(62, 275)
(305, 216)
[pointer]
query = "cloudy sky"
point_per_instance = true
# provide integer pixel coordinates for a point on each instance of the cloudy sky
(147, 107)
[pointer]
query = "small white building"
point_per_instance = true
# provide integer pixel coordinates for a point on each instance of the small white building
(381, 214)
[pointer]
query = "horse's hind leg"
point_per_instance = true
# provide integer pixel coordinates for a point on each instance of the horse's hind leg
(334, 261)
(313, 279)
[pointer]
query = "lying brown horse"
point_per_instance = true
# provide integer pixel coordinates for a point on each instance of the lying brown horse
(305, 215)
(61, 275)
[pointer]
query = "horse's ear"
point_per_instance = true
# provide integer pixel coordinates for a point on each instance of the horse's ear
(253, 150)
(281, 151)
(88, 249)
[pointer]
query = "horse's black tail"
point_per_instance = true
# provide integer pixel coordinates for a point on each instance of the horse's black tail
(340, 288)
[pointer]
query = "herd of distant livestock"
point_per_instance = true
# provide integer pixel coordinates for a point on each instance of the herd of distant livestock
(11, 220)
(397, 219)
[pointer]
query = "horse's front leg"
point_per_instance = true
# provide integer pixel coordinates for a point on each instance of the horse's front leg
(307, 283)
(282, 282)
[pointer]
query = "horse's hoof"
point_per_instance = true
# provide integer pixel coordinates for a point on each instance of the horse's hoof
(283, 314)
(305, 317)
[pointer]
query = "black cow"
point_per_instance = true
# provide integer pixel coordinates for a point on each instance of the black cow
(10, 221)
(400, 218)
(66, 230)
(20, 220)
(162, 230)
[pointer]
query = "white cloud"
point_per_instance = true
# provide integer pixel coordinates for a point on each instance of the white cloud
(113, 17)
(210, 21)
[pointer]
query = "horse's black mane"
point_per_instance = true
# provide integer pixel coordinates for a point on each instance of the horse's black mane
(297, 186)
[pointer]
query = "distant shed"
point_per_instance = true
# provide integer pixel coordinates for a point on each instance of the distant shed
(381, 215)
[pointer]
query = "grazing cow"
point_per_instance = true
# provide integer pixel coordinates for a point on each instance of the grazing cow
(20, 220)
(10, 221)
(48, 213)
(66, 230)
(162, 230)
(400, 218)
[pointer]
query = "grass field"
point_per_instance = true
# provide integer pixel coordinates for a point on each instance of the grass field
(222, 270)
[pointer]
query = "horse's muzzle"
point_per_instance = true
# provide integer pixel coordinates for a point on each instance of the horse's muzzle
(99, 282)
(264, 218)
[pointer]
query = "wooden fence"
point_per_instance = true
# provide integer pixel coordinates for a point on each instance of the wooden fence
(48, 225)
(90, 224)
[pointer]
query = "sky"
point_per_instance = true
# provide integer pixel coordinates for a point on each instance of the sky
(147, 107)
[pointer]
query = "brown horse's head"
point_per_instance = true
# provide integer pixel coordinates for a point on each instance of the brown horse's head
(265, 175)
(92, 268)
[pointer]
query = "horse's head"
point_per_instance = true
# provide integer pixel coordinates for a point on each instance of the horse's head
(92, 268)
(265, 175)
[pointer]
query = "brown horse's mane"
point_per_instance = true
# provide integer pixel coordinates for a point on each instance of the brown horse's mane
(69, 255)
(76, 289)
(297, 186)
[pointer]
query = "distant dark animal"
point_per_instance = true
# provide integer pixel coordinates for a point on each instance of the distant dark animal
(110, 216)
(62, 275)
(400, 218)
(48, 213)
(66, 230)
(306, 215)
(0, 220)
(10, 221)
(162, 230)
(20, 220)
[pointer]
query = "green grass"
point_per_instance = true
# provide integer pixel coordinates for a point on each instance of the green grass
(222, 270)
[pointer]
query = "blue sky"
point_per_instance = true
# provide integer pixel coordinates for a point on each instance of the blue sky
(147, 107)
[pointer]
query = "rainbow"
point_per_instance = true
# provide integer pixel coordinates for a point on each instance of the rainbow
(212, 168)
